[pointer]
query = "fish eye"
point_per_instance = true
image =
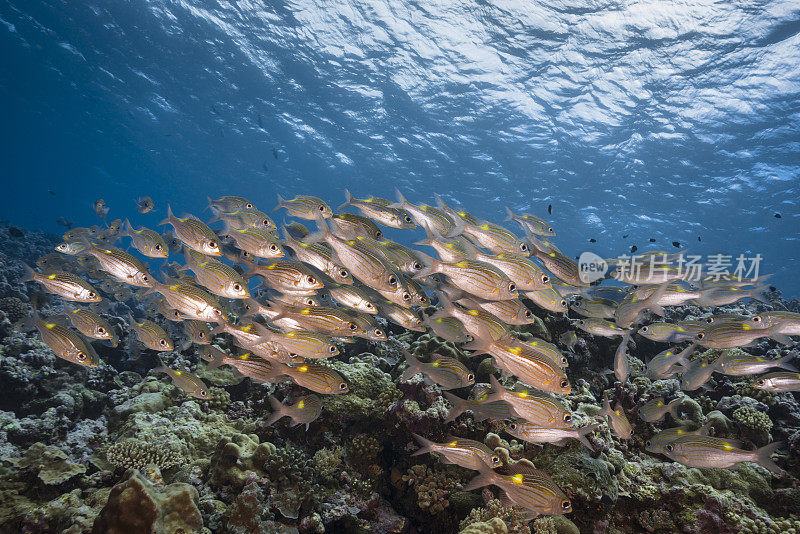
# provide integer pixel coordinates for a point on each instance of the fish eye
(343, 273)
(145, 278)
(392, 280)
(757, 319)
(343, 386)
(545, 278)
(567, 417)
(647, 443)
(523, 247)
(311, 280)
(407, 219)
(332, 349)
(406, 296)
(101, 330)
(760, 382)
(203, 393)
(669, 448)
(370, 306)
(378, 332)
(322, 208)
(512, 426)
(212, 244)
(378, 235)
(265, 222)
(353, 326)
(163, 342)
(92, 294)
(309, 301)
(565, 504)
(157, 247)
(248, 205)
(512, 286)
(564, 383)
(564, 360)
(237, 287)
(80, 356)
(201, 335)
(710, 320)
(416, 266)
(701, 335)
(470, 377)
(644, 329)
(495, 459)
(528, 314)
(273, 247)
(563, 303)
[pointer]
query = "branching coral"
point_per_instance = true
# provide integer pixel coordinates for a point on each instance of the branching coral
(135, 454)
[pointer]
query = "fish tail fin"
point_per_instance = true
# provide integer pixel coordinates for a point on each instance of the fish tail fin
(127, 229)
(425, 445)
(652, 300)
(28, 274)
(413, 366)
(509, 214)
(762, 457)
(783, 363)
(606, 406)
(459, 406)
(169, 218)
(485, 477)
(348, 200)
(281, 202)
(778, 336)
(162, 367)
(400, 199)
(585, 431)
(323, 230)
(760, 294)
(496, 391)
(278, 410)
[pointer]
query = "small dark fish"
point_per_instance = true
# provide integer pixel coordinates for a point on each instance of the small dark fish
(625, 236)
(15, 232)
(652, 240)
(634, 248)
(100, 208)
(676, 244)
(550, 209)
(777, 215)
(51, 192)
(62, 221)
(145, 205)
(698, 238)
(592, 240)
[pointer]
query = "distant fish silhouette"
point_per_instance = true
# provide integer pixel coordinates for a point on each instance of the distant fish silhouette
(676, 244)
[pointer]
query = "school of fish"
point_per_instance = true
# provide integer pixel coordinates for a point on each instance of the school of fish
(291, 296)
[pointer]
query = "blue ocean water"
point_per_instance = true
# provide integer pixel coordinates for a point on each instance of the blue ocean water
(672, 121)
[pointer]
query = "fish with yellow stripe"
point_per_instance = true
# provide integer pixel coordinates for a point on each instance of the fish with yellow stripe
(64, 343)
(532, 406)
(303, 412)
(66, 285)
(466, 453)
(527, 487)
(186, 381)
(708, 451)
(445, 371)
